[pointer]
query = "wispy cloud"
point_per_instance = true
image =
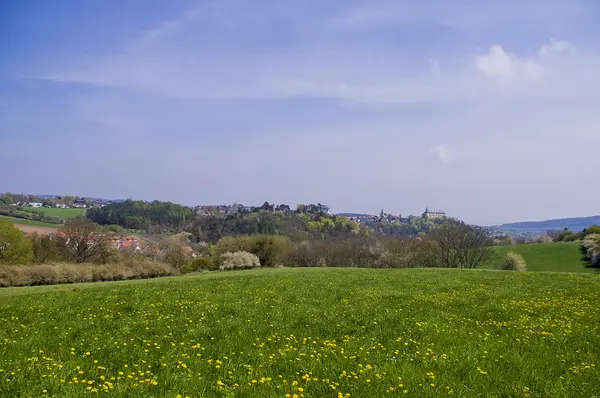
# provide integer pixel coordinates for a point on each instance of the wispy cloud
(338, 103)
(443, 154)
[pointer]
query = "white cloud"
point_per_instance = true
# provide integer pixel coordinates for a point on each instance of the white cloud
(498, 63)
(443, 154)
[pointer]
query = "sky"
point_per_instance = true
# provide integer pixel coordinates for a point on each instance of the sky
(487, 110)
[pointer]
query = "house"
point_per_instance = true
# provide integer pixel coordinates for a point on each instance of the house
(433, 215)
(35, 204)
(80, 203)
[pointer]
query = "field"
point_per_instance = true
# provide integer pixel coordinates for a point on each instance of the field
(560, 257)
(320, 332)
(23, 221)
(62, 214)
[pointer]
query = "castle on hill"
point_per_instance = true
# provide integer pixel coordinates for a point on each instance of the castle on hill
(433, 214)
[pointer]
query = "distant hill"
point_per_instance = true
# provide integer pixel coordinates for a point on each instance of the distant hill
(532, 228)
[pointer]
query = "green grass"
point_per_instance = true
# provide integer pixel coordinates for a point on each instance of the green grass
(310, 332)
(62, 214)
(24, 221)
(559, 257)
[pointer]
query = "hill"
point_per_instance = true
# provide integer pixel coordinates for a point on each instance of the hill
(310, 332)
(532, 228)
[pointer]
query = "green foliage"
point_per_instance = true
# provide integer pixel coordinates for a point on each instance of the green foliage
(14, 248)
(153, 217)
(428, 332)
(514, 262)
(203, 263)
(25, 221)
(271, 250)
(44, 249)
(594, 229)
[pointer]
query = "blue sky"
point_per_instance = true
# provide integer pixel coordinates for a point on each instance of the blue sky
(485, 109)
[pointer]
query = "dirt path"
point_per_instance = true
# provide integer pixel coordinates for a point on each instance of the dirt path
(31, 228)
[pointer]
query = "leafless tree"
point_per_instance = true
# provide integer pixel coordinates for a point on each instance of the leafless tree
(83, 241)
(458, 245)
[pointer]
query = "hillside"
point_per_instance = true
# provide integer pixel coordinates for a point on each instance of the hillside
(309, 332)
(533, 228)
(559, 257)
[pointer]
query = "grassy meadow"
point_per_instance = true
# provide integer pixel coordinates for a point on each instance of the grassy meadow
(24, 221)
(320, 332)
(63, 214)
(558, 257)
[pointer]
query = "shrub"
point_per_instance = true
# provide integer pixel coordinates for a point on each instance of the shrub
(545, 239)
(203, 263)
(239, 260)
(594, 229)
(232, 244)
(514, 262)
(591, 248)
(50, 274)
(271, 250)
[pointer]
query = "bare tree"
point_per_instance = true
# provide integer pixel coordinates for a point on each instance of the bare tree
(83, 241)
(458, 245)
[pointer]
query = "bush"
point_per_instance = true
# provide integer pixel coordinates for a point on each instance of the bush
(203, 263)
(271, 250)
(239, 260)
(514, 262)
(594, 229)
(545, 239)
(50, 274)
(591, 248)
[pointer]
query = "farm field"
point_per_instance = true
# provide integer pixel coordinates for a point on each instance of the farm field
(321, 332)
(22, 221)
(63, 214)
(559, 257)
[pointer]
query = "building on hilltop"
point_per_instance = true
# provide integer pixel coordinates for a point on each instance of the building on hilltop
(433, 215)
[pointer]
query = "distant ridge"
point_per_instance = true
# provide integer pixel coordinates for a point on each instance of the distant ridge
(575, 224)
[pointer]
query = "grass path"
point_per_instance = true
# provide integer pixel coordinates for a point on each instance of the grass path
(309, 332)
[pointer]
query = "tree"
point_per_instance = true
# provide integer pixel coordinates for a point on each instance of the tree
(43, 248)
(14, 248)
(83, 241)
(458, 245)
(175, 249)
